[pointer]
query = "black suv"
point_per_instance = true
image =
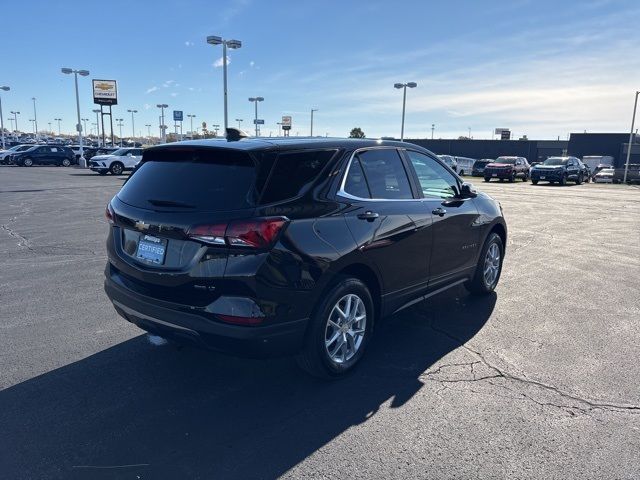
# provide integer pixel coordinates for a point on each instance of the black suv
(44, 155)
(560, 170)
(293, 246)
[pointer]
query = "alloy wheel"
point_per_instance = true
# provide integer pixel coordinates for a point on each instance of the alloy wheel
(345, 329)
(492, 265)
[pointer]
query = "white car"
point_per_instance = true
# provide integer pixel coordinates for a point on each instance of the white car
(604, 176)
(116, 162)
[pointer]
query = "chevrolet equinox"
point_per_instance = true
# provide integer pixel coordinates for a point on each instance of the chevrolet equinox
(294, 246)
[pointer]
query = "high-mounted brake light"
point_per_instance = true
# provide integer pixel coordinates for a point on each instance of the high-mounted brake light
(109, 214)
(253, 233)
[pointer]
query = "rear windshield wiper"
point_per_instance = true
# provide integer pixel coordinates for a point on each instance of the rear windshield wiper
(169, 203)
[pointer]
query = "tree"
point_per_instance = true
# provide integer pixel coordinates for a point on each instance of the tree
(356, 133)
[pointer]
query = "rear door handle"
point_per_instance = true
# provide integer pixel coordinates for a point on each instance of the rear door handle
(368, 215)
(439, 211)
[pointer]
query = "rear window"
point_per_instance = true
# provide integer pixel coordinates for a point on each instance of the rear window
(293, 173)
(192, 179)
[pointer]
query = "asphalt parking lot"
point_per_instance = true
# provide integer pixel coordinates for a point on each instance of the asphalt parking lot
(539, 380)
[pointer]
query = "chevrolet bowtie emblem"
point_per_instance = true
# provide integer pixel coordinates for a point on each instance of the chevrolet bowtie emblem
(140, 225)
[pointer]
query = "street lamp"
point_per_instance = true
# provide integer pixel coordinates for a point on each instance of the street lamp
(633, 120)
(119, 120)
(191, 117)
(256, 100)
(133, 126)
(58, 120)
(433, 127)
(163, 133)
(148, 125)
(15, 120)
(97, 112)
(33, 122)
(215, 129)
(35, 116)
(82, 163)
(232, 44)
(85, 120)
(50, 130)
(239, 120)
(404, 102)
(4, 89)
(312, 110)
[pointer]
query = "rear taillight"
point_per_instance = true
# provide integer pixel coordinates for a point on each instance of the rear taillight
(254, 233)
(109, 214)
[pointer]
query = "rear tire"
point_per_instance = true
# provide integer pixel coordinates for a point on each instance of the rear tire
(489, 267)
(66, 162)
(116, 168)
(27, 162)
(324, 358)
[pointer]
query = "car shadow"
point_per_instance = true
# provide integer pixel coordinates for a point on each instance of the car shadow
(136, 410)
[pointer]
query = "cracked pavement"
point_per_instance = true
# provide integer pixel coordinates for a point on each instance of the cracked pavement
(539, 380)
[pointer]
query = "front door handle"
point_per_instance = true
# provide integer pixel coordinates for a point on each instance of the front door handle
(439, 211)
(368, 215)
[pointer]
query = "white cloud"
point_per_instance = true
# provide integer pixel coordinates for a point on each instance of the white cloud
(147, 106)
(152, 89)
(174, 94)
(252, 63)
(188, 44)
(218, 62)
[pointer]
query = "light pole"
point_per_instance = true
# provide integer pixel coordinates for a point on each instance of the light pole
(279, 127)
(633, 120)
(191, 117)
(433, 127)
(119, 120)
(469, 128)
(232, 44)
(35, 116)
(148, 125)
(239, 120)
(58, 120)
(97, 112)
(82, 163)
(215, 129)
(256, 100)
(50, 129)
(33, 125)
(312, 110)
(85, 120)
(3, 89)
(133, 126)
(15, 120)
(404, 102)
(163, 133)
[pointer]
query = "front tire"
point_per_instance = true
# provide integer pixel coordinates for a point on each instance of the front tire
(27, 162)
(563, 180)
(512, 178)
(487, 179)
(339, 331)
(579, 180)
(489, 267)
(534, 181)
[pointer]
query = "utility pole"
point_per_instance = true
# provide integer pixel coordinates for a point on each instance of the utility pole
(312, 110)
(633, 120)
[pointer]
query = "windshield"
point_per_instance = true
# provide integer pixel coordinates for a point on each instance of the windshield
(510, 161)
(555, 161)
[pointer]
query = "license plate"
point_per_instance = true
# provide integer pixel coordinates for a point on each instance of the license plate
(151, 249)
(542, 177)
(494, 175)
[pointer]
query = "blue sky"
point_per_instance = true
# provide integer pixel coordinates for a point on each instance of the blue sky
(541, 68)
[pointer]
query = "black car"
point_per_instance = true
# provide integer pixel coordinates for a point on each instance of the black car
(559, 170)
(293, 246)
(44, 155)
(479, 166)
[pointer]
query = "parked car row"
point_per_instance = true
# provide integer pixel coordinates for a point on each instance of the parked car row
(29, 155)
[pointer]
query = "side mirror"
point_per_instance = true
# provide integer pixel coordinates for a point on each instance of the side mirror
(467, 190)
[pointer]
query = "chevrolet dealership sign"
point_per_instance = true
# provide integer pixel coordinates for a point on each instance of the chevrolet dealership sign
(105, 92)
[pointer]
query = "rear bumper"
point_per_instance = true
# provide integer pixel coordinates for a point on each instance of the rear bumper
(251, 341)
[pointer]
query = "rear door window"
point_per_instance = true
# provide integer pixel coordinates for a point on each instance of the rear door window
(192, 179)
(293, 173)
(385, 174)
